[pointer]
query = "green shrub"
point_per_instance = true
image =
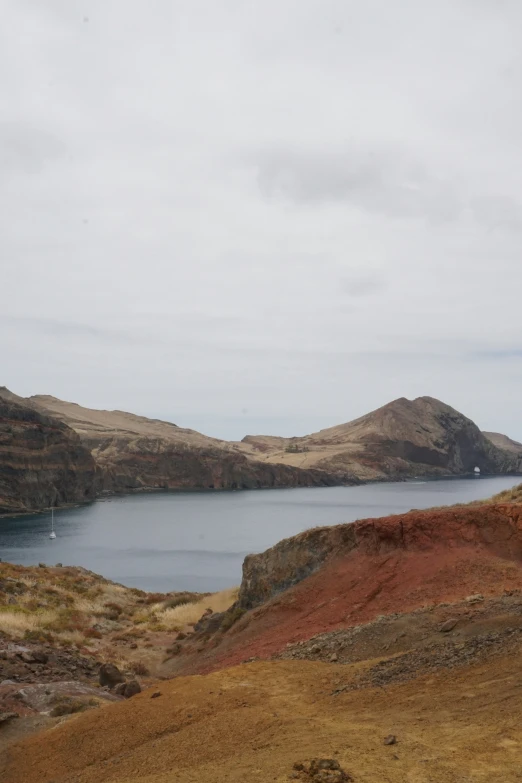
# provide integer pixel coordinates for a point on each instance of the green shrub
(234, 614)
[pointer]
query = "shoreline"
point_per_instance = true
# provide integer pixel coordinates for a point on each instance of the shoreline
(107, 495)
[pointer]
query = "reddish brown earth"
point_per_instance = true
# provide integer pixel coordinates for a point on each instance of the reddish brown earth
(408, 626)
(388, 566)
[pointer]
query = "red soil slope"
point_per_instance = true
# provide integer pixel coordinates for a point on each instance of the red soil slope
(389, 565)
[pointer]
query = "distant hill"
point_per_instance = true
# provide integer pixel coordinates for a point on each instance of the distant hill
(123, 452)
(503, 442)
(135, 453)
(405, 438)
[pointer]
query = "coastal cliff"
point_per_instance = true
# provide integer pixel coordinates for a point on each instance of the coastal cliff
(137, 453)
(42, 460)
(154, 463)
(403, 439)
(496, 528)
(116, 451)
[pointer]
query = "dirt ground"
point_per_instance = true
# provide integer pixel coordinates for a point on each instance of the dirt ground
(351, 591)
(417, 636)
(253, 722)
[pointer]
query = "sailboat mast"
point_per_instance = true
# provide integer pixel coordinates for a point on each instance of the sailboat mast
(52, 534)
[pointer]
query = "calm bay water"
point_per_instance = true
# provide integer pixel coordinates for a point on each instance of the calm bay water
(197, 541)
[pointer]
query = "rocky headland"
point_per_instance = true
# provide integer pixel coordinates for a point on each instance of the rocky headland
(405, 438)
(43, 462)
(59, 452)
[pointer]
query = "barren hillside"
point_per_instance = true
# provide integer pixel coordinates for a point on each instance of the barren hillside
(384, 650)
(339, 577)
(97, 426)
(404, 438)
(134, 452)
(504, 442)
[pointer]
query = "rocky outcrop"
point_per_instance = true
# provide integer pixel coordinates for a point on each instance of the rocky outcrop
(42, 461)
(406, 438)
(290, 561)
(428, 435)
(29, 699)
(109, 675)
(341, 578)
(498, 528)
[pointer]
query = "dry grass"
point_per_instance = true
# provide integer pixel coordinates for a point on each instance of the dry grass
(17, 624)
(72, 607)
(72, 638)
(63, 603)
(186, 610)
(513, 495)
(187, 614)
(183, 598)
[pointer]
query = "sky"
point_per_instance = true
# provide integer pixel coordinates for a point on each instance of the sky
(268, 216)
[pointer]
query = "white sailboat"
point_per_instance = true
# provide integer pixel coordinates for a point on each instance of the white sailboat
(52, 534)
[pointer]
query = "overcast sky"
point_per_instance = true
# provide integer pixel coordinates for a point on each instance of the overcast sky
(262, 216)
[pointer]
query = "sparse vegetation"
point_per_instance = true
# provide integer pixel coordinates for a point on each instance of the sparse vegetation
(138, 667)
(70, 607)
(66, 705)
(114, 608)
(231, 617)
(293, 448)
(179, 599)
(513, 495)
(92, 633)
(189, 613)
(154, 598)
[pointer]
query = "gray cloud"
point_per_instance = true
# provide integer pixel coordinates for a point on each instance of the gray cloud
(65, 329)
(226, 206)
(362, 285)
(497, 212)
(26, 149)
(385, 182)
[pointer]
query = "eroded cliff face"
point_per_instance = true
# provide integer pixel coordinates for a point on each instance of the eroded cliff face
(430, 437)
(42, 461)
(290, 561)
(159, 464)
(496, 528)
(135, 453)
